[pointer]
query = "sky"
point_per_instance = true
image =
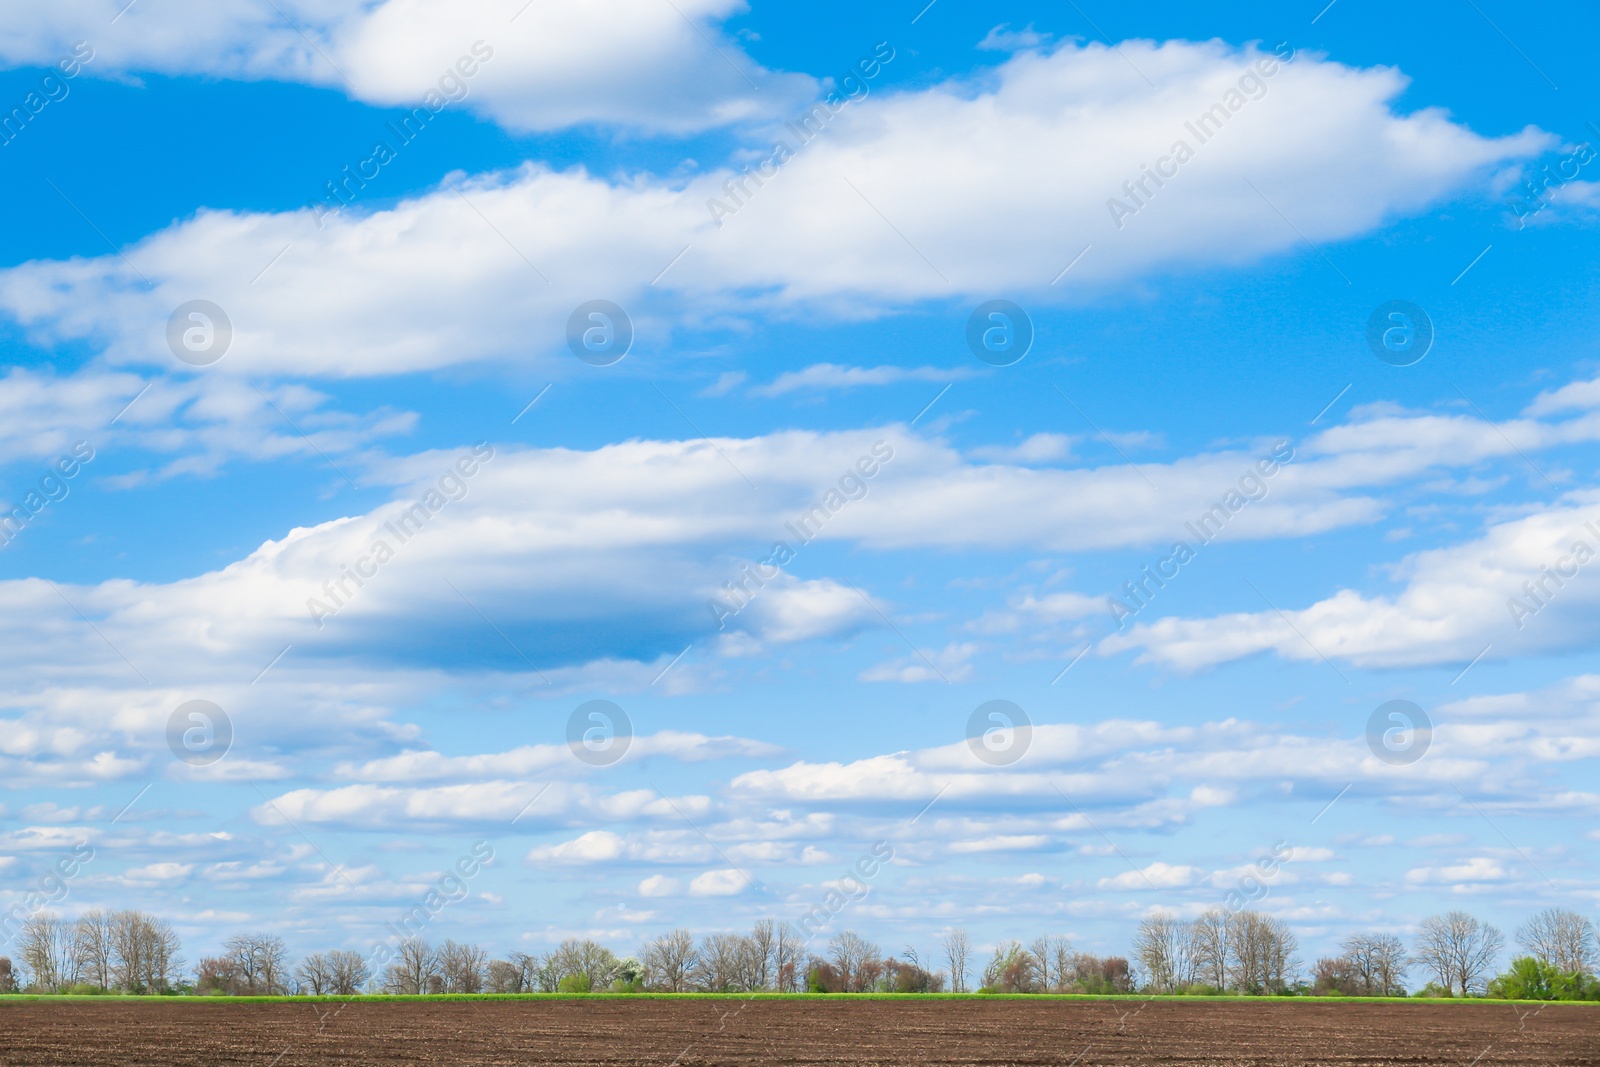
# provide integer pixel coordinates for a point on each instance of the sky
(399, 379)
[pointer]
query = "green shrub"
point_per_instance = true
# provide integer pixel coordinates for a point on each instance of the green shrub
(1532, 979)
(574, 983)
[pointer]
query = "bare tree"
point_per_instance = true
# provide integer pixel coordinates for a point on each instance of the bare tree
(46, 946)
(542, 971)
(957, 951)
(1561, 938)
(1053, 954)
(718, 969)
(262, 959)
(461, 967)
(145, 948)
(669, 961)
(505, 977)
(750, 970)
(1163, 947)
(8, 975)
(787, 960)
(1377, 964)
(530, 969)
(763, 942)
(95, 948)
(415, 968)
(348, 972)
(1209, 937)
(1458, 950)
(315, 975)
(854, 957)
(1263, 952)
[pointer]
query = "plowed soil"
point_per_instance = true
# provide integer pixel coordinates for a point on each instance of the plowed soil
(689, 1032)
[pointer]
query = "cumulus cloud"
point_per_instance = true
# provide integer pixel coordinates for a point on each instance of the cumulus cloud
(1158, 875)
(659, 885)
(1148, 773)
(529, 760)
(720, 883)
(999, 201)
(1001, 843)
(1477, 869)
(1574, 396)
(646, 531)
(177, 426)
(157, 873)
(1520, 587)
(614, 556)
(477, 803)
(632, 63)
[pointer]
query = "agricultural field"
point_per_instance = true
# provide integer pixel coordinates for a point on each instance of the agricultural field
(771, 1030)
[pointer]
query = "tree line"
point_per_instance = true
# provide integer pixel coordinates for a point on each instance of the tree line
(1242, 952)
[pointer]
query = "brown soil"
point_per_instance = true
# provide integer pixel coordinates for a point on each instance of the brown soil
(769, 1032)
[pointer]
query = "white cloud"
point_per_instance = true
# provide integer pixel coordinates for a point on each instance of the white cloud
(1158, 874)
(643, 533)
(535, 66)
(1032, 612)
(726, 383)
(596, 846)
(201, 423)
(157, 873)
(1001, 843)
(821, 376)
(950, 664)
(1037, 448)
(988, 203)
(422, 765)
(659, 885)
(1310, 854)
(475, 803)
(1574, 396)
(722, 883)
(1477, 869)
(1455, 601)
(1003, 38)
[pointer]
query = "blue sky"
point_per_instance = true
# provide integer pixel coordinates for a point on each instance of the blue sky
(1219, 319)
